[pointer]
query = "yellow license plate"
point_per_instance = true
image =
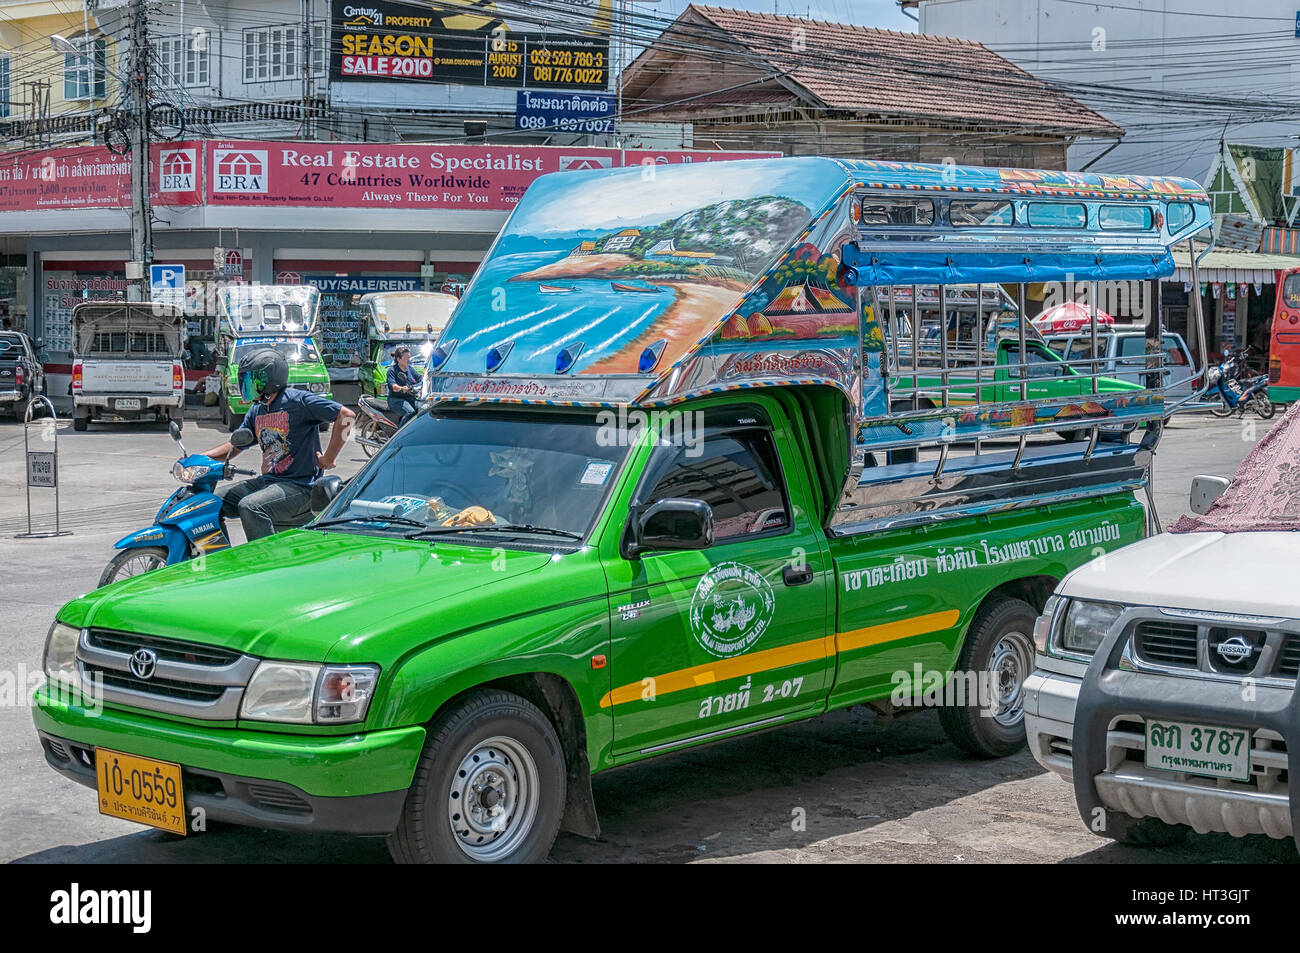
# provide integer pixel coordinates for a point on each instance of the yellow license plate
(141, 790)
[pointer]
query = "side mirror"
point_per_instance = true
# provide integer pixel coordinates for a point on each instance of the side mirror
(670, 524)
(323, 492)
(174, 429)
(1206, 490)
(241, 438)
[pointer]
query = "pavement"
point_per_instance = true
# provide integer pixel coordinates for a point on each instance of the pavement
(844, 787)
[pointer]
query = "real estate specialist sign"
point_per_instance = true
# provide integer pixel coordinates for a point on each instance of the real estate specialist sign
(382, 41)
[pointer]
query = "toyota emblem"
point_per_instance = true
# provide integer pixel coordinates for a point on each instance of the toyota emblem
(142, 663)
(1235, 649)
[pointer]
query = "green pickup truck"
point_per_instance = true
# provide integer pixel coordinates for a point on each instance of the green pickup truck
(636, 517)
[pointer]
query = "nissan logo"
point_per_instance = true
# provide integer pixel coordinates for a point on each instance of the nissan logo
(142, 663)
(1235, 649)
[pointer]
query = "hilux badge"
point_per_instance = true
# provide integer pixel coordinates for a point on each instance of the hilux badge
(142, 663)
(1235, 649)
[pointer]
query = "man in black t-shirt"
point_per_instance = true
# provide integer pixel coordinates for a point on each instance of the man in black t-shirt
(286, 423)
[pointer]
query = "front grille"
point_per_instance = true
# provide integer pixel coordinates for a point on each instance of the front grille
(1288, 662)
(170, 688)
(181, 678)
(172, 650)
(1166, 643)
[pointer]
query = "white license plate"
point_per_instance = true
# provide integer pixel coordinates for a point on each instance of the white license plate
(1198, 749)
(127, 403)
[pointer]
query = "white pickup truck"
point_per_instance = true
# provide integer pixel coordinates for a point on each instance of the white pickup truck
(126, 362)
(1166, 671)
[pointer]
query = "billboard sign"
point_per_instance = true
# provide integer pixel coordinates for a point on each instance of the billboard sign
(381, 41)
(565, 112)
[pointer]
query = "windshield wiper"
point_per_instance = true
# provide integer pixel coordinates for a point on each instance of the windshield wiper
(493, 528)
(402, 520)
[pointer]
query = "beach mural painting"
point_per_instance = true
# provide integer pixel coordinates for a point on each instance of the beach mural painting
(613, 274)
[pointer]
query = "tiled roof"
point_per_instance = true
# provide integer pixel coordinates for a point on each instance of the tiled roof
(893, 74)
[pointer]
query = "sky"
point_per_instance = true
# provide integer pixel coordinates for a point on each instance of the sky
(878, 13)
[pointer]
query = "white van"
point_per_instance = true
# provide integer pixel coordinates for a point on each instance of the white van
(1123, 353)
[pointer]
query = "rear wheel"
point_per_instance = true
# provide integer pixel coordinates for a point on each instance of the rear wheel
(133, 562)
(1264, 407)
(366, 430)
(80, 422)
(489, 788)
(999, 651)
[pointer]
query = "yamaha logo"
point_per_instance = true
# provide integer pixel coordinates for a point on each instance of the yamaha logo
(142, 663)
(1234, 650)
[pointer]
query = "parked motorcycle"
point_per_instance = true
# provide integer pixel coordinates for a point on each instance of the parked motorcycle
(374, 424)
(1237, 389)
(189, 523)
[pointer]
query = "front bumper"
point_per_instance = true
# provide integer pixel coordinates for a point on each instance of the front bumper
(353, 784)
(1098, 740)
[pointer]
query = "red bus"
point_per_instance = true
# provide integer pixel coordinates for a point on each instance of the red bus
(1284, 341)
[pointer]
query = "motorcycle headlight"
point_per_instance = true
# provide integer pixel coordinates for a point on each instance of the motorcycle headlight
(60, 661)
(189, 474)
(300, 693)
(1084, 626)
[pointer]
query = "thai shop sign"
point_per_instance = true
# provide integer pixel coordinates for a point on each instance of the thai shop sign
(379, 41)
(405, 175)
(86, 177)
(566, 112)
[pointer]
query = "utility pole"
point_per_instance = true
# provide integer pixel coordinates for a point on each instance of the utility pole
(306, 70)
(138, 97)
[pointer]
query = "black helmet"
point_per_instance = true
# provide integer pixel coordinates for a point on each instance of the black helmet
(262, 372)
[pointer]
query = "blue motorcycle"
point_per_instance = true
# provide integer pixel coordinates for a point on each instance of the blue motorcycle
(189, 523)
(1237, 390)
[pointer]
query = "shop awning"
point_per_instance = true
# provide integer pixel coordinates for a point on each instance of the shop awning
(1239, 266)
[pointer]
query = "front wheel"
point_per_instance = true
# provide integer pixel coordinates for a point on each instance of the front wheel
(1221, 409)
(489, 788)
(996, 658)
(133, 562)
(1264, 407)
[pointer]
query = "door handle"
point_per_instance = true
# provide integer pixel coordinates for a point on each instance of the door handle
(796, 575)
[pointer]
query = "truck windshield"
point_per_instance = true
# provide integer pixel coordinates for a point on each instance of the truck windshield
(460, 474)
(293, 352)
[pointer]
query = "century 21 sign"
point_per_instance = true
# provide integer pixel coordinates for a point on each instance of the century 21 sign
(383, 42)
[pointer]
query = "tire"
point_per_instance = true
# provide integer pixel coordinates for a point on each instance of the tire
(80, 424)
(366, 428)
(1222, 409)
(1264, 407)
(1000, 643)
(491, 738)
(1143, 832)
(133, 562)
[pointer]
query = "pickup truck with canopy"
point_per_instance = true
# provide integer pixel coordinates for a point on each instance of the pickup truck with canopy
(675, 484)
(126, 362)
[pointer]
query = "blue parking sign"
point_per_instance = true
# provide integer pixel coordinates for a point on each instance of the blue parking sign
(167, 277)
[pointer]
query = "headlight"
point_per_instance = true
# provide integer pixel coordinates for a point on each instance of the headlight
(189, 474)
(1085, 624)
(1043, 624)
(318, 388)
(300, 693)
(61, 654)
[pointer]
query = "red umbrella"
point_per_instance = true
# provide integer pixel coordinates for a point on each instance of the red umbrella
(1068, 317)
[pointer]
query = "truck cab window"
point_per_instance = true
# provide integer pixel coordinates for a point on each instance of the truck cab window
(736, 474)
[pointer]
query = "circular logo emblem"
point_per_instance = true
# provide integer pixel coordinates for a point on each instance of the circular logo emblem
(1235, 649)
(732, 607)
(142, 663)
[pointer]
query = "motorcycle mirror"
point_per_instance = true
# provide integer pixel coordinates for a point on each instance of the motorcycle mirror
(241, 438)
(175, 430)
(323, 492)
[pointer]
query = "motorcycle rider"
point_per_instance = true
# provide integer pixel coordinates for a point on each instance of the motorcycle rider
(403, 385)
(286, 422)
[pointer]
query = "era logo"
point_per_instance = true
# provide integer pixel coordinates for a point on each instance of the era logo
(239, 170)
(177, 170)
(585, 162)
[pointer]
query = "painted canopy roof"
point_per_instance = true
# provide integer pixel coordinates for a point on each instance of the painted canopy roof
(603, 282)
